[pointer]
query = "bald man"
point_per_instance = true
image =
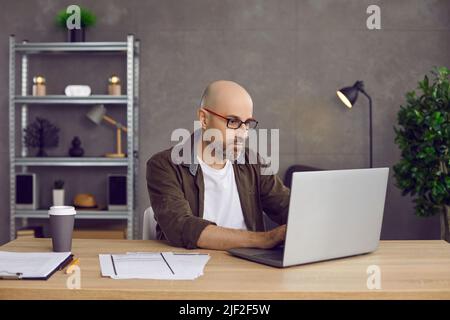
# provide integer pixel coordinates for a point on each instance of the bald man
(212, 200)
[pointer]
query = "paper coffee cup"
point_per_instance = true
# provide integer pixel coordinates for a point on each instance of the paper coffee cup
(62, 219)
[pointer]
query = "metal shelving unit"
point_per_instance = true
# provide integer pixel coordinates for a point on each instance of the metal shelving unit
(61, 99)
(73, 162)
(26, 49)
(81, 214)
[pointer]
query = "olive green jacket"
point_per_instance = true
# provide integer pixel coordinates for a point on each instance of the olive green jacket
(177, 196)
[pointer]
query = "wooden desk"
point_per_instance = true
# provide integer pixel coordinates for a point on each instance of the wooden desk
(409, 270)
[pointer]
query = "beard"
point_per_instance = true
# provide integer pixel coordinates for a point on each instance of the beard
(234, 148)
(222, 151)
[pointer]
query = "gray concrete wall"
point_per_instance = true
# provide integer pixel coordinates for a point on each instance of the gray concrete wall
(290, 55)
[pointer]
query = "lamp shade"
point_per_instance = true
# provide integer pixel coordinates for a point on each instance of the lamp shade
(349, 95)
(96, 113)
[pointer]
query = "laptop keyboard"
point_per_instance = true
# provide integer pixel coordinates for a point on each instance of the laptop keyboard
(275, 255)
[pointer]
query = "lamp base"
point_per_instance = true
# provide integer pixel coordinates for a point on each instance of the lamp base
(115, 155)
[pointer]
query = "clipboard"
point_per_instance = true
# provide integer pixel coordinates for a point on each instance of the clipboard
(19, 275)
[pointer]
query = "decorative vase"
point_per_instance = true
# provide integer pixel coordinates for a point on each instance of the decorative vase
(76, 150)
(58, 197)
(76, 35)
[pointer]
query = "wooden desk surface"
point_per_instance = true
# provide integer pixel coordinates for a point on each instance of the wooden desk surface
(409, 270)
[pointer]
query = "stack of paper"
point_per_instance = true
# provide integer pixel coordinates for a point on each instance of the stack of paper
(153, 265)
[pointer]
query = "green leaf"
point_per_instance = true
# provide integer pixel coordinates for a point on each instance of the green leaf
(424, 84)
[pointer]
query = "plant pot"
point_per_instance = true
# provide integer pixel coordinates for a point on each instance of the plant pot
(76, 35)
(445, 234)
(58, 197)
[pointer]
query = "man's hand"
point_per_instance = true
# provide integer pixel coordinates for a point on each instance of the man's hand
(219, 238)
(274, 237)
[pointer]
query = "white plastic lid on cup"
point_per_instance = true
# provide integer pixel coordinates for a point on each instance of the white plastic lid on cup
(62, 210)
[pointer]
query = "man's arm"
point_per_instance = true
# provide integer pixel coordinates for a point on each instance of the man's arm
(275, 200)
(172, 210)
(219, 238)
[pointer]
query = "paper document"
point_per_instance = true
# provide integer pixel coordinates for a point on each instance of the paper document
(30, 264)
(153, 265)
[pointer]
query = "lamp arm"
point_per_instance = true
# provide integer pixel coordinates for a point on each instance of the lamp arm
(370, 126)
(114, 123)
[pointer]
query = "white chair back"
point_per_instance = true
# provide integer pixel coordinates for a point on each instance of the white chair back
(149, 225)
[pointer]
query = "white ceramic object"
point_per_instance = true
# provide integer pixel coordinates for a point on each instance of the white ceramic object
(77, 91)
(58, 197)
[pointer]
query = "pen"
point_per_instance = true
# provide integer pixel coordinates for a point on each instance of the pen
(12, 276)
(65, 263)
(74, 262)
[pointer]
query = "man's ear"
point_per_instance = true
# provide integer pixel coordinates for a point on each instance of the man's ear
(202, 117)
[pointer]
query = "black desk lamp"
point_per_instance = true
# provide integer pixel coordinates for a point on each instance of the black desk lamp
(348, 96)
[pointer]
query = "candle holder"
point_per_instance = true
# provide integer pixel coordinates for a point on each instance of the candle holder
(114, 86)
(39, 87)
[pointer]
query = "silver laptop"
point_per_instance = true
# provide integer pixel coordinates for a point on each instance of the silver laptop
(332, 214)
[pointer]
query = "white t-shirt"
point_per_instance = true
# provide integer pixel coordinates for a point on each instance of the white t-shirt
(221, 199)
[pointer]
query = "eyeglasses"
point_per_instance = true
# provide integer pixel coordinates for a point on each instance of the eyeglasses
(236, 123)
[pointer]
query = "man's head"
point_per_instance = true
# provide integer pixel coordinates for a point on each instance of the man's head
(223, 105)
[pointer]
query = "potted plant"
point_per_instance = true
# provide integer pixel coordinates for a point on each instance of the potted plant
(87, 19)
(58, 193)
(423, 138)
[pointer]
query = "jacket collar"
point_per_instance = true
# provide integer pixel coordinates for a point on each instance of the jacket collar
(191, 145)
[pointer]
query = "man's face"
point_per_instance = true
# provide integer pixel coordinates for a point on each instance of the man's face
(232, 141)
(226, 115)
(227, 119)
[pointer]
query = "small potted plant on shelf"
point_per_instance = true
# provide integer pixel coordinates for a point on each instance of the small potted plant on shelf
(58, 193)
(87, 19)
